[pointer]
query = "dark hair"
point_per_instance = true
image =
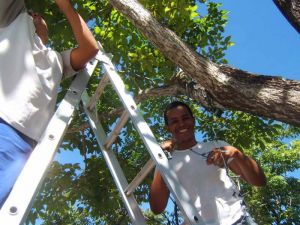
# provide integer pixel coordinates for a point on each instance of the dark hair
(174, 105)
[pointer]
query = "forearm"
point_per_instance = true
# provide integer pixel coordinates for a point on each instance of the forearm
(87, 45)
(249, 170)
(159, 194)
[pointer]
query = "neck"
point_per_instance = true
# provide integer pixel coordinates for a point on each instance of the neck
(186, 144)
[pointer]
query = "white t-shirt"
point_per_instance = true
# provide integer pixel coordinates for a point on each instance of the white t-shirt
(30, 74)
(214, 195)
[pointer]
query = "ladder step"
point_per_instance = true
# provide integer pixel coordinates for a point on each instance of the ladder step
(102, 84)
(115, 133)
(139, 177)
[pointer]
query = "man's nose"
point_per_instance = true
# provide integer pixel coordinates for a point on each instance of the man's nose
(181, 122)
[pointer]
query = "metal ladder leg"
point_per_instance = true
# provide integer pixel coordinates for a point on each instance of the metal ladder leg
(17, 206)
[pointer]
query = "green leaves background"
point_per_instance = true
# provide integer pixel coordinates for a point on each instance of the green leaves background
(84, 192)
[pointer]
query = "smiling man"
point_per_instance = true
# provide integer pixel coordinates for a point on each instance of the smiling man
(200, 169)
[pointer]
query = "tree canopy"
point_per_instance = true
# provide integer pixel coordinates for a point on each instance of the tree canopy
(84, 193)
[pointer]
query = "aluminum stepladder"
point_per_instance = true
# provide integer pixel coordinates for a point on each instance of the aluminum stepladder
(18, 204)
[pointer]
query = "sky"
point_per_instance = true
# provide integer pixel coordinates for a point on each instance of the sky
(265, 43)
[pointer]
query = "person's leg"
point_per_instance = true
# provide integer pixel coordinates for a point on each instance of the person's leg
(14, 151)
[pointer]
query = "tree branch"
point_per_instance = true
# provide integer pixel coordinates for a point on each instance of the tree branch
(234, 89)
(291, 11)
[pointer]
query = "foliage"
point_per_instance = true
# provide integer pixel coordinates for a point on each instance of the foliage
(84, 192)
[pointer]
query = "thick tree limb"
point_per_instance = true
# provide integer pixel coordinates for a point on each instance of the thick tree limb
(291, 10)
(234, 89)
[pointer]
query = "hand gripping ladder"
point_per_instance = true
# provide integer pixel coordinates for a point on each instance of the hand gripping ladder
(17, 205)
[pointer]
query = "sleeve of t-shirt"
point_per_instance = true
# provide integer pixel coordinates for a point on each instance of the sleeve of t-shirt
(9, 10)
(68, 70)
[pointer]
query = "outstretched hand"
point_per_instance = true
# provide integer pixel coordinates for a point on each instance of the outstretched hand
(222, 155)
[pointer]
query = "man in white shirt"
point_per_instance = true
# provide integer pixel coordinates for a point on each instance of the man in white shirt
(200, 170)
(30, 74)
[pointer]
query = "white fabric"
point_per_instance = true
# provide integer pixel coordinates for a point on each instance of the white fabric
(214, 195)
(30, 75)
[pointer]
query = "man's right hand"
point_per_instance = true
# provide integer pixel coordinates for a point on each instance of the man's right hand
(168, 145)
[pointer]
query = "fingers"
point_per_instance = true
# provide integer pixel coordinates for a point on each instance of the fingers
(167, 145)
(214, 158)
(222, 155)
(217, 157)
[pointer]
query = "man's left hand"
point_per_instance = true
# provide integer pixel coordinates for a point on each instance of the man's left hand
(222, 155)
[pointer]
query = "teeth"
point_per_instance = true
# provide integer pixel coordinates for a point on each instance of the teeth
(182, 131)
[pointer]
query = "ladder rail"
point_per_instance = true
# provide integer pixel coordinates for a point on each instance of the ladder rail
(18, 203)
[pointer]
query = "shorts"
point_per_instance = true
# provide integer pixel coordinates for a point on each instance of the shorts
(15, 149)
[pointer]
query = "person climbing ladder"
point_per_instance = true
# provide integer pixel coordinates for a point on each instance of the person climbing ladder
(30, 74)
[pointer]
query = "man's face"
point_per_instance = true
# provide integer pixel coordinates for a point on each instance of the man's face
(181, 125)
(41, 27)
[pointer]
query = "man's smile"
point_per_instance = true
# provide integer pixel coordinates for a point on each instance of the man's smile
(183, 130)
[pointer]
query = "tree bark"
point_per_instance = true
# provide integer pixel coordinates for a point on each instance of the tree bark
(234, 89)
(291, 10)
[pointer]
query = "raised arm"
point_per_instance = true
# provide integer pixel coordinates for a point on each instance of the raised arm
(239, 163)
(87, 45)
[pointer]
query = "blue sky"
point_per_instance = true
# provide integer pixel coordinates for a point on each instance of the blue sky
(265, 43)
